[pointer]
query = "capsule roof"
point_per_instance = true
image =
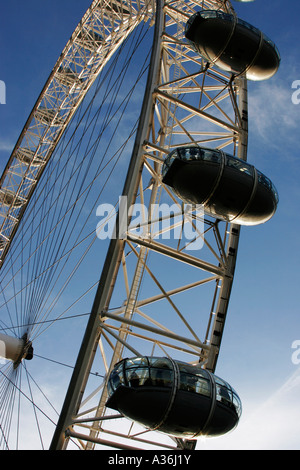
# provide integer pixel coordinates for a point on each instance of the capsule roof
(233, 44)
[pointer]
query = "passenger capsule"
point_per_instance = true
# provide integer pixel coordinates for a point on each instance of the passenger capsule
(2, 243)
(49, 116)
(229, 189)
(8, 198)
(68, 78)
(90, 39)
(29, 157)
(173, 397)
(233, 44)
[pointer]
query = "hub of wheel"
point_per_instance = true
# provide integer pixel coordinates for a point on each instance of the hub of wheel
(15, 349)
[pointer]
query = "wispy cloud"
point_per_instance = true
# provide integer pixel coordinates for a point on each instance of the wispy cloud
(272, 115)
(274, 120)
(6, 146)
(272, 425)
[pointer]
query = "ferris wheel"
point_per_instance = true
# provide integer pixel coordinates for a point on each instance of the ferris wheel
(150, 97)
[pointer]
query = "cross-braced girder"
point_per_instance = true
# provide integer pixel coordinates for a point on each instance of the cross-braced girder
(188, 103)
(166, 281)
(102, 30)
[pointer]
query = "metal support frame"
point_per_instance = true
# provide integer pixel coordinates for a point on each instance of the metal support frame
(166, 119)
(113, 259)
(102, 30)
(186, 102)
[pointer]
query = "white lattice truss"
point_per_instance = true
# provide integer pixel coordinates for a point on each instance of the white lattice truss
(191, 103)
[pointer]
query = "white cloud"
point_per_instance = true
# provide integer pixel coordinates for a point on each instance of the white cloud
(6, 146)
(272, 425)
(272, 115)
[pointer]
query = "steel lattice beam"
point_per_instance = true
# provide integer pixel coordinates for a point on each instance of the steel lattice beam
(167, 117)
(102, 30)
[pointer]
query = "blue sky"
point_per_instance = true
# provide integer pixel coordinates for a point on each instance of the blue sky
(263, 320)
(264, 313)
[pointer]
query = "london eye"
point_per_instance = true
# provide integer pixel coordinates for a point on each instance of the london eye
(121, 211)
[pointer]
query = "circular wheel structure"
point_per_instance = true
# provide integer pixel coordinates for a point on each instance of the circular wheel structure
(166, 268)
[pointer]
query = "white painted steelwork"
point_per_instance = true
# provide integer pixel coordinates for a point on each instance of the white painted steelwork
(186, 102)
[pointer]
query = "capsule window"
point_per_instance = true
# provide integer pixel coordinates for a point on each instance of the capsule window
(116, 379)
(239, 165)
(187, 382)
(223, 394)
(161, 377)
(221, 382)
(109, 389)
(237, 404)
(168, 161)
(195, 153)
(209, 14)
(225, 16)
(264, 180)
(194, 379)
(274, 190)
(190, 153)
(203, 387)
(183, 367)
(195, 384)
(184, 153)
(155, 372)
(272, 44)
(248, 26)
(211, 155)
(161, 362)
(194, 370)
(137, 377)
(136, 361)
